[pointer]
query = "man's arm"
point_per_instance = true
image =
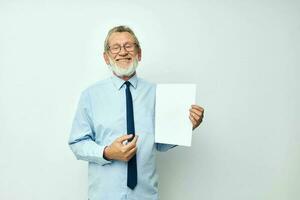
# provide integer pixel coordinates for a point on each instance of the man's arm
(164, 147)
(82, 138)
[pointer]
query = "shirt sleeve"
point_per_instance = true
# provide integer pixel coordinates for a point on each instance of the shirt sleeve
(164, 147)
(82, 136)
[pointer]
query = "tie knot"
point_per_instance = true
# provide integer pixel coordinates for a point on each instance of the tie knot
(127, 83)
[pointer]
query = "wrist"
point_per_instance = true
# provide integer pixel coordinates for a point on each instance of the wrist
(106, 153)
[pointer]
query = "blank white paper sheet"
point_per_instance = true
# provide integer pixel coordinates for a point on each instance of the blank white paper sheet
(172, 123)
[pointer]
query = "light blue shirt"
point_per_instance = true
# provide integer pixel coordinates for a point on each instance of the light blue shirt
(100, 119)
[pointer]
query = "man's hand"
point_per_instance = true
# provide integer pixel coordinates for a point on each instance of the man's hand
(196, 115)
(119, 150)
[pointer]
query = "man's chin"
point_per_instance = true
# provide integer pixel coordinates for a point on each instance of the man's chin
(124, 65)
(124, 76)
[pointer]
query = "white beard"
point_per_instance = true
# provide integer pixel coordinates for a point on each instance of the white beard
(119, 71)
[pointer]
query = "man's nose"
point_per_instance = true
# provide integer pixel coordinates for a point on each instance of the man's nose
(123, 51)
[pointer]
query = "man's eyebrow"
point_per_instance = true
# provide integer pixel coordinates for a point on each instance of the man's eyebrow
(123, 43)
(114, 44)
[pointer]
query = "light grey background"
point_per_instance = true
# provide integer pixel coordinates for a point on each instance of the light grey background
(243, 56)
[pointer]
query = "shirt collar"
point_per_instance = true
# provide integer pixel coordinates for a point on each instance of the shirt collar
(118, 82)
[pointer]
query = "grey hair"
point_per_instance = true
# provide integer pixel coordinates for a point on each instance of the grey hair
(120, 29)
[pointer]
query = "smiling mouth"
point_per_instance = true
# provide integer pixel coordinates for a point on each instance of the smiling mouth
(123, 59)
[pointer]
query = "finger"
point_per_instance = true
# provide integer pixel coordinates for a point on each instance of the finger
(131, 144)
(198, 107)
(134, 139)
(124, 137)
(195, 116)
(193, 120)
(131, 153)
(198, 112)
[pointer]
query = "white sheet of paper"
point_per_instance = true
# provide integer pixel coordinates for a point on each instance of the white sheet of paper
(172, 123)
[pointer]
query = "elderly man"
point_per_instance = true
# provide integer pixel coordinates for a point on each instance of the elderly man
(113, 128)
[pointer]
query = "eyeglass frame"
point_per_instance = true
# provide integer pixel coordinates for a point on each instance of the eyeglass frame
(123, 46)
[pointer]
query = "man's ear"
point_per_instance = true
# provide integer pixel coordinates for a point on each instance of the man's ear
(105, 56)
(139, 54)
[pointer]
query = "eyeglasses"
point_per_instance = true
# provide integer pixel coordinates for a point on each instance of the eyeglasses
(129, 47)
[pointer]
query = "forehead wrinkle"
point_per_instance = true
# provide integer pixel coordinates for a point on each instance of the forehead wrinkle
(119, 38)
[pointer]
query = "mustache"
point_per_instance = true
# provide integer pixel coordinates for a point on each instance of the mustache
(120, 71)
(122, 59)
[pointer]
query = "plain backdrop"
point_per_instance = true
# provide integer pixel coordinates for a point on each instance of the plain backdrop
(244, 57)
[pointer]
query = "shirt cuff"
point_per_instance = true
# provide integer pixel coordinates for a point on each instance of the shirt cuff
(104, 160)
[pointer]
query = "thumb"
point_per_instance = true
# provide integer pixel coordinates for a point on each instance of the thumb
(124, 137)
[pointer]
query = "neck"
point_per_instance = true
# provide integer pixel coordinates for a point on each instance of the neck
(125, 78)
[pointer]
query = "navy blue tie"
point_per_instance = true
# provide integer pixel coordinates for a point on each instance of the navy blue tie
(131, 167)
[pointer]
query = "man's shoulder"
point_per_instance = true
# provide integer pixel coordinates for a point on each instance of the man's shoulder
(100, 84)
(146, 83)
